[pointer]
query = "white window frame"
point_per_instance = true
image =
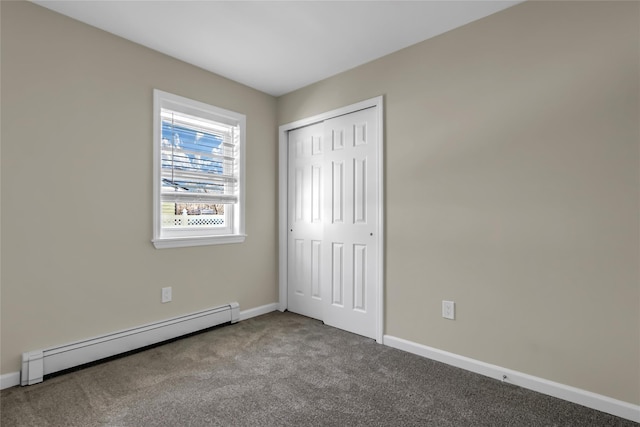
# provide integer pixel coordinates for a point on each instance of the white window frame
(235, 233)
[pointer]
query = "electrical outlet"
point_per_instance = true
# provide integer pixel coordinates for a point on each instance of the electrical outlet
(166, 294)
(449, 310)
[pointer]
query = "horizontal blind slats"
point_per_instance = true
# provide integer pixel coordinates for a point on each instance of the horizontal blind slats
(198, 160)
(179, 197)
(167, 152)
(196, 176)
(217, 125)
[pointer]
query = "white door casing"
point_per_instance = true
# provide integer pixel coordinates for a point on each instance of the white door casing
(331, 261)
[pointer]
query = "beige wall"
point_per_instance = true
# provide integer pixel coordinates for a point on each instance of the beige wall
(512, 187)
(77, 257)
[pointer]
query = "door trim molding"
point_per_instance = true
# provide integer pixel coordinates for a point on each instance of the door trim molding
(378, 103)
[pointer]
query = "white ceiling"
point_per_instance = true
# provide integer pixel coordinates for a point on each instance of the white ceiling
(276, 46)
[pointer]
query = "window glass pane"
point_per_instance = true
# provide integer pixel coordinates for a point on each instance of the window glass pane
(194, 163)
(199, 215)
(191, 160)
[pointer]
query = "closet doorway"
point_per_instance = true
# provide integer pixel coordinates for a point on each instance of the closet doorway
(331, 227)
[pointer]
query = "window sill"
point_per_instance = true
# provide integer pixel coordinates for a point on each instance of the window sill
(183, 242)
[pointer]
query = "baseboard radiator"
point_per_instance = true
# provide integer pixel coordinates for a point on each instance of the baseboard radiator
(37, 364)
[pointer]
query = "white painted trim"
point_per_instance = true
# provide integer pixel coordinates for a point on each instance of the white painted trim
(381, 222)
(283, 169)
(258, 311)
(586, 398)
(183, 242)
(377, 102)
(11, 379)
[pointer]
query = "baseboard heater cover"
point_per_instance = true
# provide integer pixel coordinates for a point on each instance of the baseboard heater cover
(37, 364)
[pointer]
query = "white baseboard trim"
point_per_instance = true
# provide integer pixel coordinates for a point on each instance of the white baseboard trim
(572, 394)
(258, 311)
(11, 379)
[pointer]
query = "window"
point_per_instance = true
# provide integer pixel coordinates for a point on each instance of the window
(198, 173)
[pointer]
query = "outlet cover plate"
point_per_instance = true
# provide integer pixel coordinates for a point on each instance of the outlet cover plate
(449, 310)
(166, 294)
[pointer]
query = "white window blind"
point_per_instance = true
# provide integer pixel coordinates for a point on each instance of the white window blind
(200, 159)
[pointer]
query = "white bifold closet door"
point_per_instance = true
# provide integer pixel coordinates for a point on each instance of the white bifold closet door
(333, 219)
(305, 220)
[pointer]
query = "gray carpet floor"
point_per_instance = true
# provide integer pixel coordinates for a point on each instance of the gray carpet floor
(282, 369)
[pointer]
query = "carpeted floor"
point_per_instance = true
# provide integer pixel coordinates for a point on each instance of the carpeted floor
(282, 369)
